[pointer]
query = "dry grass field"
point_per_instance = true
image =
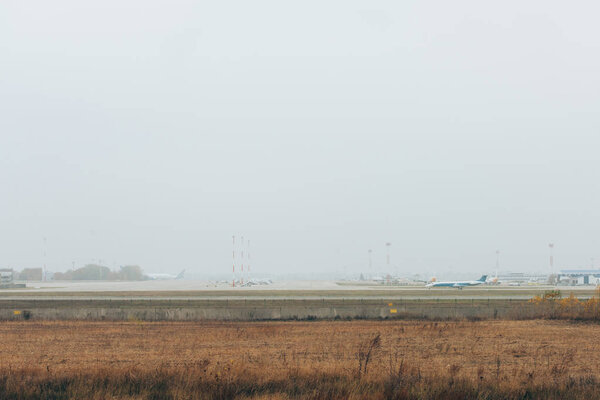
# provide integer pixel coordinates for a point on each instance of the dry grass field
(298, 360)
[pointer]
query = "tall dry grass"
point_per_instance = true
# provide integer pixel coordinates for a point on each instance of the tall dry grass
(300, 360)
(552, 305)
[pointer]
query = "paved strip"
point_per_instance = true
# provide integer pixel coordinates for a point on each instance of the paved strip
(262, 298)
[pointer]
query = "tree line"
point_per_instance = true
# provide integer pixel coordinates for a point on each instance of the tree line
(94, 272)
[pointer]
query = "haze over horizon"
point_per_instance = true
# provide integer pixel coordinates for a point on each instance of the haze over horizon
(149, 132)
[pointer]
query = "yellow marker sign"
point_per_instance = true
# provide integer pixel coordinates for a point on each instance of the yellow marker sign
(390, 304)
(393, 311)
(17, 312)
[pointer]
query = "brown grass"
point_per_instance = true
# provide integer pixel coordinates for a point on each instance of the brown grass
(297, 360)
(552, 305)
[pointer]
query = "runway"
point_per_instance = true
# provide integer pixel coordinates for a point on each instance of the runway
(188, 290)
(260, 298)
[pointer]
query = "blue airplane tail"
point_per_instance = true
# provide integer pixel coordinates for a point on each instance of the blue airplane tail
(482, 279)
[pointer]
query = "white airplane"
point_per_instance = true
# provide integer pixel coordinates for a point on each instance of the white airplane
(457, 284)
(165, 277)
(254, 282)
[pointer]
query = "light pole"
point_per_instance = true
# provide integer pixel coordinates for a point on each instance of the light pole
(387, 245)
(497, 262)
(248, 266)
(551, 246)
(45, 259)
(242, 257)
(233, 262)
(371, 263)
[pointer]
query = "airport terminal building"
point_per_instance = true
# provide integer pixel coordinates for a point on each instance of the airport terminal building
(579, 276)
(522, 278)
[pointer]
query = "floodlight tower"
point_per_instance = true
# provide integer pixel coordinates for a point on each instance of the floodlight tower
(371, 263)
(242, 257)
(387, 245)
(551, 246)
(45, 259)
(497, 262)
(248, 266)
(233, 281)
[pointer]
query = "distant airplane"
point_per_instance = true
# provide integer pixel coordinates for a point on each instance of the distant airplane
(457, 284)
(165, 277)
(254, 282)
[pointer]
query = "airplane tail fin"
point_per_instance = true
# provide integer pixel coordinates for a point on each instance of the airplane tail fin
(180, 276)
(482, 279)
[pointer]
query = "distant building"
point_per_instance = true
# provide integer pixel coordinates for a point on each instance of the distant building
(6, 276)
(579, 276)
(520, 277)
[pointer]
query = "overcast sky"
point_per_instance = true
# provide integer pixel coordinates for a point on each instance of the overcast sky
(150, 132)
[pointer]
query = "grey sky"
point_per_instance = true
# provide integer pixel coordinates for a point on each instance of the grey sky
(149, 132)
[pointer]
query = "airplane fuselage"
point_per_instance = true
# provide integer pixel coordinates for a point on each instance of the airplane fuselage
(457, 284)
